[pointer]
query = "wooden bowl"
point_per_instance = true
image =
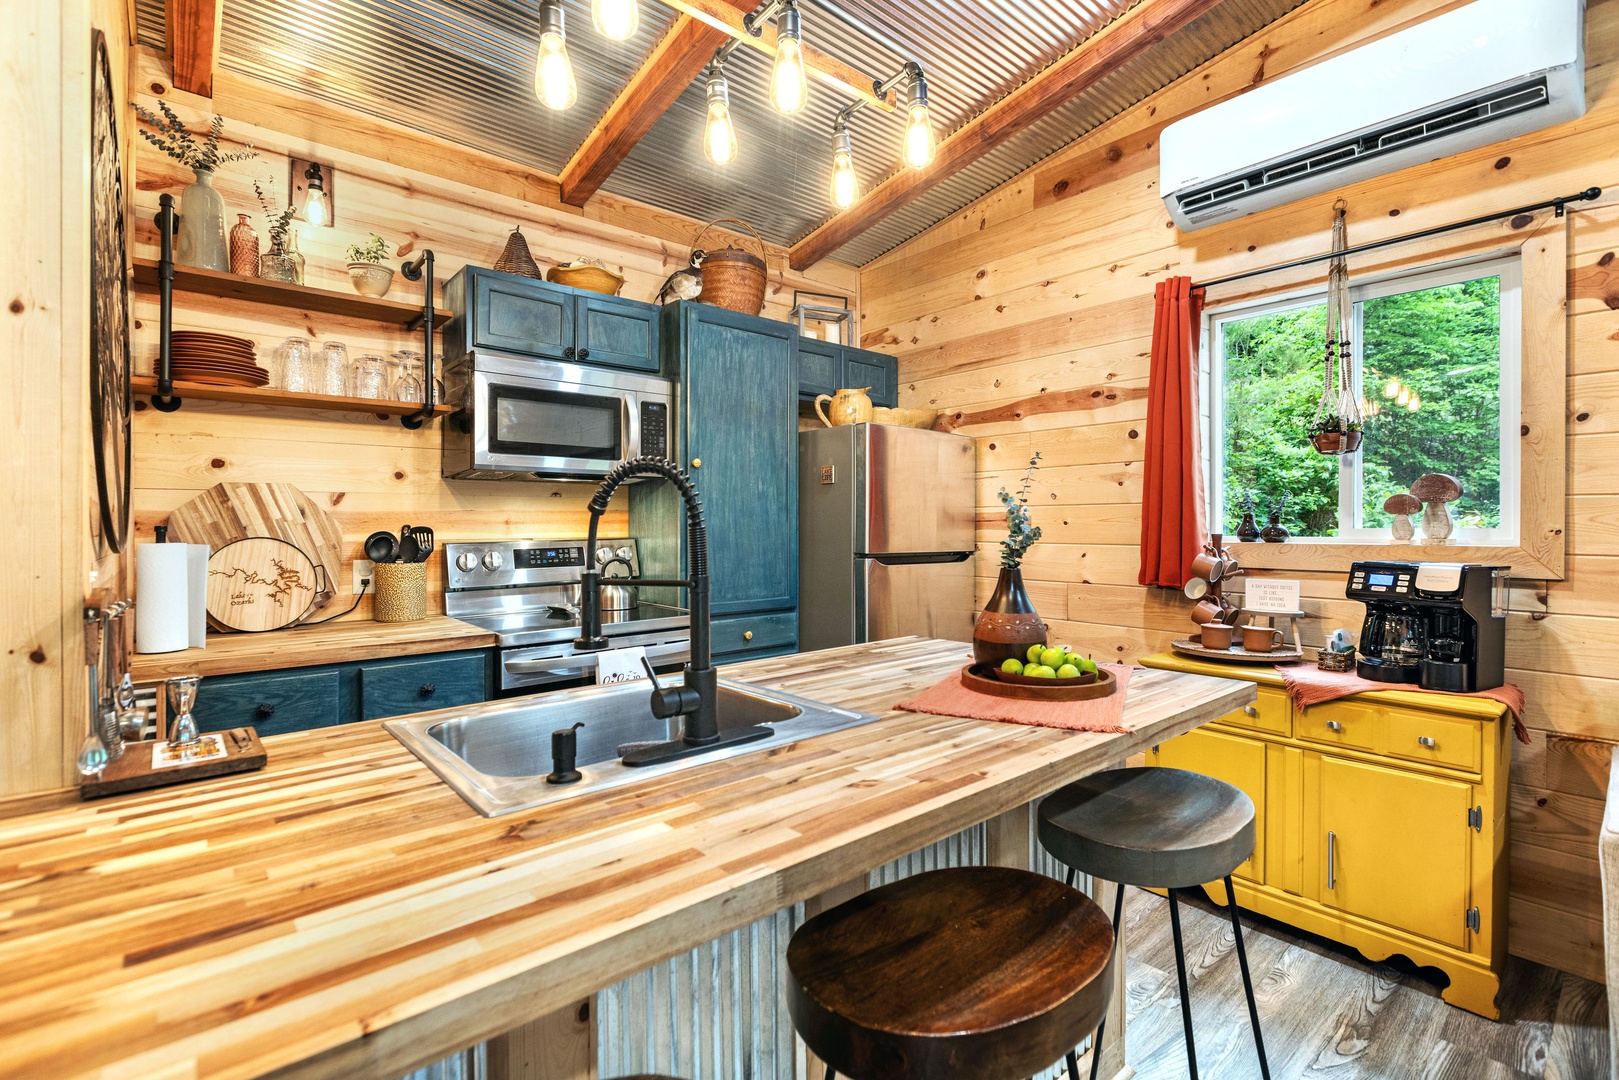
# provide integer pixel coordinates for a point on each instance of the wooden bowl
(590, 278)
(988, 680)
(911, 418)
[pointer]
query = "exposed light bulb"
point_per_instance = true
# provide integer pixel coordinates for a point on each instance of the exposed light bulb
(845, 181)
(919, 145)
(1414, 404)
(1392, 388)
(315, 207)
(719, 136)
(1403, 397)
(789, 85)
(553, 74)
(616, 20)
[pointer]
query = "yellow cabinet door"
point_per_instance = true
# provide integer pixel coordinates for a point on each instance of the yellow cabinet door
(1395, 848)
(1239, 762)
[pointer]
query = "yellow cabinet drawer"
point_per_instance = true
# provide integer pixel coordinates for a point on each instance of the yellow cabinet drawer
(1429, 737)
(1272, 714)
(1347, 724)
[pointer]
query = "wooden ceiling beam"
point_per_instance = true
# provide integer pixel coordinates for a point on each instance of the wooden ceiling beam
(1127, 37)
(192, 29)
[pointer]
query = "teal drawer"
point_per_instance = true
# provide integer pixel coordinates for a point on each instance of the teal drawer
(416, 684)
(876, 370)
(273, 703)
(754, 633)
(820, 367)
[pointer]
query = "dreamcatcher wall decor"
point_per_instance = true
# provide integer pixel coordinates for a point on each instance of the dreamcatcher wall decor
(1338, 422)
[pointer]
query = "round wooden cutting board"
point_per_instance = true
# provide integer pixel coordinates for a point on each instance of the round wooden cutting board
(260, 583)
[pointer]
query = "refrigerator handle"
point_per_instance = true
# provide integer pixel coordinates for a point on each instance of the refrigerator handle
(916, 558)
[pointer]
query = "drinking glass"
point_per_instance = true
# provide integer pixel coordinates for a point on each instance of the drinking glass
(371, 377)
(408, 387)
(334, 369)
(182, 698)
(298, 366)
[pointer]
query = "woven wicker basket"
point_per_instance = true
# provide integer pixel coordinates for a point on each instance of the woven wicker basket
(733, 278)
(516, 259)
(1336, 661)
(591, 278)
(401, 592)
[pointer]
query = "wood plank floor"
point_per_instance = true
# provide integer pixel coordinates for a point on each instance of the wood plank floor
(1330, 1014)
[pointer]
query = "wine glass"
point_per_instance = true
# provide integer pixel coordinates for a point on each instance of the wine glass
(409, 387)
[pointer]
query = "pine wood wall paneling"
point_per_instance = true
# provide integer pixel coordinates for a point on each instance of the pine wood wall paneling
(1026, 319)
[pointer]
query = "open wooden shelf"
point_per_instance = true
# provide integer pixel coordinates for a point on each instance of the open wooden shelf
(280, 294)
(145, 386)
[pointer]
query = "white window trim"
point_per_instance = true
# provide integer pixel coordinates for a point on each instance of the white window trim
(1505, 265)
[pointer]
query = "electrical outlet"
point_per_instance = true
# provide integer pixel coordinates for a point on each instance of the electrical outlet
(363, 571)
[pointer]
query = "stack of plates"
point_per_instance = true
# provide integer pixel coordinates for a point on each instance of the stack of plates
(215, 358)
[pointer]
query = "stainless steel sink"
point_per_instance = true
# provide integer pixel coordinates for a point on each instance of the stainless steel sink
(497, 755)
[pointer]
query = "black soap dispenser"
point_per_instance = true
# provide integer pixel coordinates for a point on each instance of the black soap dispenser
(564, 752)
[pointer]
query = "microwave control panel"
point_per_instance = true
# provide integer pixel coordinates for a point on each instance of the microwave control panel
(655, 428)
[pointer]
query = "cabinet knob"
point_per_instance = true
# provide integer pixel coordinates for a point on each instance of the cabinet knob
(1333, 725)
(747, 635)
(584, 354)
(567, 354)
(1426, 740)
(1250, 710)
(264, 712)
(697, 463)
(427, 690)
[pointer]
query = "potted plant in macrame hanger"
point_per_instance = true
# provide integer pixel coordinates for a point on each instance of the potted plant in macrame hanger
(1338, 422)
(1008, 625)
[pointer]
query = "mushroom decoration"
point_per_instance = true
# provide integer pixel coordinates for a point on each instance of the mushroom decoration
(1434, 491)
(1402, 506)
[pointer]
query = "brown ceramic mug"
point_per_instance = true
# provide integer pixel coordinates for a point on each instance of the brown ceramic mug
(1207, 611)
(1208, 566)
(1216, 635)
(1261, 638)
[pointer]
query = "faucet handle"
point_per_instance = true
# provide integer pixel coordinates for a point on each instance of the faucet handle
(670, 701)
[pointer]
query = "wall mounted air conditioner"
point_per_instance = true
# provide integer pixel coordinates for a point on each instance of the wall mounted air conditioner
(1485, 72)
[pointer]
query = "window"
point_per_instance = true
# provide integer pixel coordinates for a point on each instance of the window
(1439, 355)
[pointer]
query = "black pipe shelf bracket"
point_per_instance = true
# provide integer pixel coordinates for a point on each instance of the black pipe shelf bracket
(421, 269)
(167, 221)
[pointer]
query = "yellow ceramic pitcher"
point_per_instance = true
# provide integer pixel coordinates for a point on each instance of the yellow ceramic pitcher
(848, 407)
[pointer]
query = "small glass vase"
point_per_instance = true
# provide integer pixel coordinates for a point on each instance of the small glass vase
(278, 266)
(1008, 625)
(244, 248)
(201, 238)
(295, 255)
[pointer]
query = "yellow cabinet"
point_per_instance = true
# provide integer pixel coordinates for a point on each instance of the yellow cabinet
(1239, 762)
(1394, 847)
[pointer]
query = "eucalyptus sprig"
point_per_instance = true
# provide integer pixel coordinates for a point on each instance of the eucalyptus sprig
(279, 221)
(1021, 534)
(175, 140)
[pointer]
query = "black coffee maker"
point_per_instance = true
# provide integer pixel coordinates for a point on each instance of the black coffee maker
(1439, 625)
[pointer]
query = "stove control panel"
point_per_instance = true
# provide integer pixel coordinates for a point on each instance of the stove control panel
(520, 564)
(539, 558)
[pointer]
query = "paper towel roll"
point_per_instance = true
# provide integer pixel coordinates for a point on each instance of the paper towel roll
(197, 593)
(162, 615)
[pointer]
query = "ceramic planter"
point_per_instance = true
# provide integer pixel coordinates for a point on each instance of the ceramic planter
(371, 279)
(1008, 625)
(1336, 442)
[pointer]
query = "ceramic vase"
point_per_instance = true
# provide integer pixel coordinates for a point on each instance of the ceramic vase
(371, 279)
(1008, 625)
(244, 248)
(1248, 529)
(1275, 532)
(201, 239)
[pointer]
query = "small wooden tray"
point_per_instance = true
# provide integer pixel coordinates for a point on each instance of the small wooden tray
(980, 677)
(1193, 646)
(133, 770)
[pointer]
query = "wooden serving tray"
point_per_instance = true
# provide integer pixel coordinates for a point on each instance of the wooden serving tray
(1193, 646)
(980, 677)
(133, 770)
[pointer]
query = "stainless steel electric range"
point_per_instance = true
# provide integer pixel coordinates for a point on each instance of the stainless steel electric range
(527, 591)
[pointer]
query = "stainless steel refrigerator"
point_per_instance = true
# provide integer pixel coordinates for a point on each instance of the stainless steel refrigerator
(885, 534)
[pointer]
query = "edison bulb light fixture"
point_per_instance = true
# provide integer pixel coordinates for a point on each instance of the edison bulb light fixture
(317, 210)
(919, 143)
(554, 84)
(845, 181)
(616, 20)
(789, 84)
(719, 135)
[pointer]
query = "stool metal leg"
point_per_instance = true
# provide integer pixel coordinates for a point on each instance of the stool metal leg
(1247, 980)
(1180, 971)
(1096, 1040)
(1073, 1066)
(831, 1073)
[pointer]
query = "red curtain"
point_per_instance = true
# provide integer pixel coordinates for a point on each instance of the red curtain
(1172, 505)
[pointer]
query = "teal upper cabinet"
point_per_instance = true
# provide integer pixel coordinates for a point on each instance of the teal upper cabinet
(740, 439)
(523, 316)
(825, 368)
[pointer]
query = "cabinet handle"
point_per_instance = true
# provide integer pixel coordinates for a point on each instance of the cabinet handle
(1332, 850)
(1250, 710)
(584, 354)
(697, 463)
(264, 711)
(747, 635)
(1333, 725)
(1426, 740)
(427, 690)
(567, 354)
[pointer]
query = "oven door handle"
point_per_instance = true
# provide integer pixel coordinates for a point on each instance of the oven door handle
(582, 663)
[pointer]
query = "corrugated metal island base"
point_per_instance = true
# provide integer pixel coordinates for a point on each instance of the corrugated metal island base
(344, 914)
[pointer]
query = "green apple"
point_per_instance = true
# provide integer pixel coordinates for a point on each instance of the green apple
(1040, 671)
(1068, 671)
(1012, 666)
(1034, 652)
(1073, 658)
(1064, 649)
(1051, 658)
(1086, 665)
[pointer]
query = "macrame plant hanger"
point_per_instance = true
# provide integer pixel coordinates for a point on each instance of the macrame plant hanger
(1337, 426)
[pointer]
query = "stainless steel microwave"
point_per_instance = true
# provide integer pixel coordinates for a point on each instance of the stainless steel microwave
(524, 419)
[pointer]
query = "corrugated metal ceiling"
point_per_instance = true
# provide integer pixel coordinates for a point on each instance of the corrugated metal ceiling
(463, 70)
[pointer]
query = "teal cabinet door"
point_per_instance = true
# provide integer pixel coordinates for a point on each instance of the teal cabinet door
(417, 683)
(876, 370)
(741, 424)
(617, 333)
(820, 368)
(520, 315)
(273, 703)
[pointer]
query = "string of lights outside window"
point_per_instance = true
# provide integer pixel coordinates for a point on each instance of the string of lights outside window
(617, 20)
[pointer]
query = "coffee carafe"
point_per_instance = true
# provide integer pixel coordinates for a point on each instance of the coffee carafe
(1439, 625)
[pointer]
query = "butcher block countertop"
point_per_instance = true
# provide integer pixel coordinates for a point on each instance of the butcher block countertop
(332, 643)
(345, 914)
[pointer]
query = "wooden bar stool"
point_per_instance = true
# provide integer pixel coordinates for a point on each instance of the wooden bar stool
(973, 973)
(1157, 828)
